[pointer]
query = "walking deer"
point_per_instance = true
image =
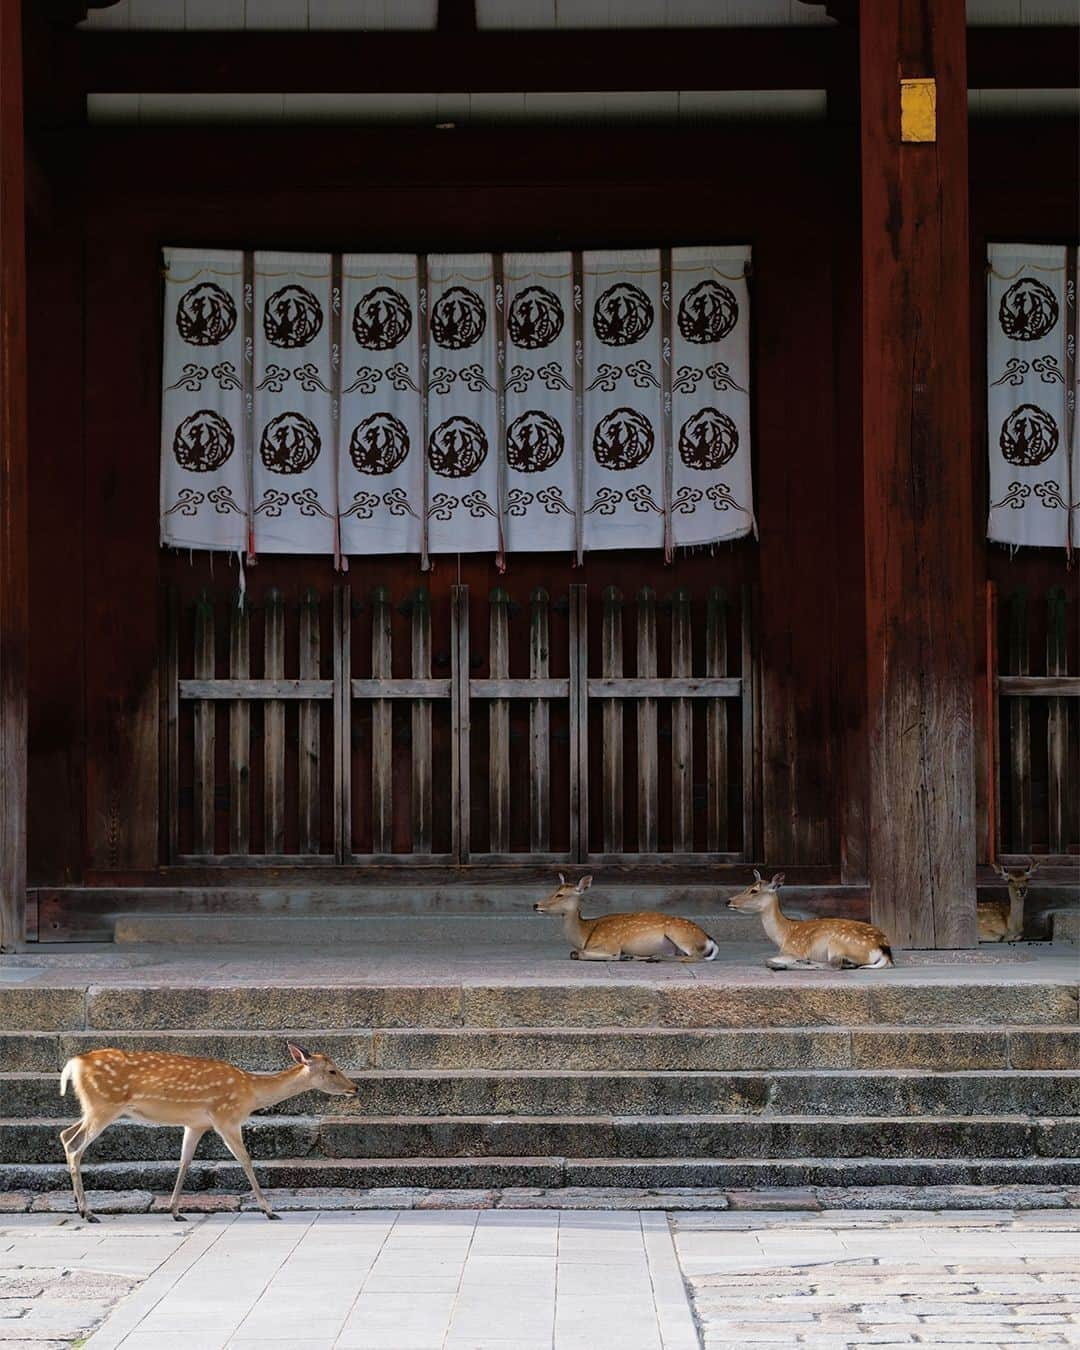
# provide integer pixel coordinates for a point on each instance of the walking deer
(643, 936)
(999, 922)
(832, 943)
(199, 1094)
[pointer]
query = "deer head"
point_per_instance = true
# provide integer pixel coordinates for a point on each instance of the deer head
(566, 898)
(1018, 878)
(758, 895)
(323, 1074)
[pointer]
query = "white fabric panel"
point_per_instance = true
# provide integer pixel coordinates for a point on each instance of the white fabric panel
(293, 475)
(463, 441)
(1026, 395)
(382, 449)
(541, 481)
(712, 493)
(623, 451)
(204, 490)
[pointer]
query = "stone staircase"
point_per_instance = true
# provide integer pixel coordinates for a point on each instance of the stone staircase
(717, 1079)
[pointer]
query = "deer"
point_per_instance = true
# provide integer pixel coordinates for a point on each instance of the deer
(199, 1094)
(999, 922)
(642, 936)
(830, 944)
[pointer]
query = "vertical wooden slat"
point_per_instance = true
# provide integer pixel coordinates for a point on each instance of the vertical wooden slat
(499, 725)
(1057, 723)
(611, 663)
(1019, 729)
(682, 729)
(539, 727)
(274, 726)
(716, 746)
(205, 713)
(459, 700)
(382, 727)
(171, 728)
(579, 723)
(749, 708)
(421, 725)
(647, 762)
(993, 758)
(343, 704)
(308, 775)
(239, 730)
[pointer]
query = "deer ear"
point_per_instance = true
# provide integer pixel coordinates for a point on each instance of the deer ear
(757, 875)
(301, 1056)
(777, 879)
(1001, 871)
(1033, 867)
(562, 879)
(584, 883)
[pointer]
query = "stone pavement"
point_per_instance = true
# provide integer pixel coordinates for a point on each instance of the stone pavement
(876, 1280)
(368, 1280)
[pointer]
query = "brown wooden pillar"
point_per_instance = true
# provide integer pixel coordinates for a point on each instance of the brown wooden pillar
(917, 471)
(14, 608)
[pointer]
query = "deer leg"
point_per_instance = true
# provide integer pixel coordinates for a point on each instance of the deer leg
(233, 1138)
(76, 1140)
(784, 962)
(595, 954)
(192, 1135)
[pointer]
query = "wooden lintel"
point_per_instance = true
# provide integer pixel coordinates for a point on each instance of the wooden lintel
(535, 60)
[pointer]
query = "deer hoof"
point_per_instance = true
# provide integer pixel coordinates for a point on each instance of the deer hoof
(180, 1218)
(270, 1214)
(91, 1218)
(574, 956)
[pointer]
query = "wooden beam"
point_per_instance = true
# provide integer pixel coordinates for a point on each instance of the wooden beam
(14, 502)
(548, 60)
(918, 480)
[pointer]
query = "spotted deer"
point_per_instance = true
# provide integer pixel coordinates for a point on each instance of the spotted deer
(999, 922)
(831, 943)
(199, 1094)
(642, 936)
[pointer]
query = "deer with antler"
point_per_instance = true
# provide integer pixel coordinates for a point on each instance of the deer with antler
(829, 943)
(999, 922)
(199, 1094)
(643, 936)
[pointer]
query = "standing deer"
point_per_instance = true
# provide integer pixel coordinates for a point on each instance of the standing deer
(199, 1094)
(643, 936)
(999, 922)
(832, 943)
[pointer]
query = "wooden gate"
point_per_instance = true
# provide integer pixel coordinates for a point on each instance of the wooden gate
(378, 729)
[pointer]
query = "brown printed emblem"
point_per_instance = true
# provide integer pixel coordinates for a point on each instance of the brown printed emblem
(1028, 310)
(292, 317)
(457, 447)
(203, 441)
(382, 318)
(708, 312)
(458, 318)
(1029, 435)
(205, 315)
(623, 439)
(379, 444)
(290, 443)
(622, 315)
(708, 439)
(534, 442)
(535, 318)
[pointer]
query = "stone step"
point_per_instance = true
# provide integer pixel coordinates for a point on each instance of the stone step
(585, 1000)
(612, 1137)
(546, 1172)
(600, 1049)
(531, 1092)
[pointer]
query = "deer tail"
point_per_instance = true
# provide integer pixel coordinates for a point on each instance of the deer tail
(68, 1070)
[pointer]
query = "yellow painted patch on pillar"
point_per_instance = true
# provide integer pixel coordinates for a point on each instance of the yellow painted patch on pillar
(918, 110)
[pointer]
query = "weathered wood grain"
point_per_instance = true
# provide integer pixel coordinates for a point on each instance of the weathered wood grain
(499, 725)
(1019, 728)
(611, 663)
(239, 729)
(276, 690)
(382, 727)
(460, 721)
(648, 763)
(343, 703)
(205, 717)
(420, 799)
(579, 723)
(274, 725)
(716, 747)
(1057, 723)
(540, 725)
(308, 784)
(170, 730)
(682, 728)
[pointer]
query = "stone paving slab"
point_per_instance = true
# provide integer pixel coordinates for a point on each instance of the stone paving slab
(891, 1278)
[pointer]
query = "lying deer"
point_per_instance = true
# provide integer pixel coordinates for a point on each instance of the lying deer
(200, 1094)
(832, 943)
(625, 937)
(999, 922)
